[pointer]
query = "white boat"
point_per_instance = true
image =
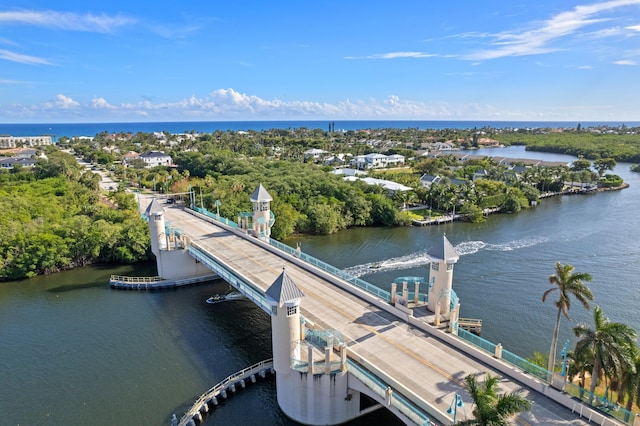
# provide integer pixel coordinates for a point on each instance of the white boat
(216, 299)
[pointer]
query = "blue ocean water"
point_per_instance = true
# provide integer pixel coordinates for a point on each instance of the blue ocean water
(91, 129)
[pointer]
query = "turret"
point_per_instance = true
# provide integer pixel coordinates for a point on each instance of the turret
(442, 257)
(262, 216)
(284, 297)
(155, 213)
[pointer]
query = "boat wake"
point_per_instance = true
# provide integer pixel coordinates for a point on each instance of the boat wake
(418, 259)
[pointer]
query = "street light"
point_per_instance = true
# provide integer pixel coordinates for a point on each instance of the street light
(563, 353)
(453, 408)
(217, 204)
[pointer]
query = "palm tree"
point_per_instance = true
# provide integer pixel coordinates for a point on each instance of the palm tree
(612, 344)
(580, 363)
(568, 283)
(489, 407)
(630, 384)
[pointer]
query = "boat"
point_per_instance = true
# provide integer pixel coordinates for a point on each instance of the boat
(375, 266)
(216, 298)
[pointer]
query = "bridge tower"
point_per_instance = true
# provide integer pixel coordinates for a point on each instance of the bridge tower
(308, 392)
(172, 259)
(155, 213)
(262, 216)
(442, 257)
(284, 297)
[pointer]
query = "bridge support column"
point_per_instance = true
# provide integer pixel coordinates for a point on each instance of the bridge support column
(327, 360)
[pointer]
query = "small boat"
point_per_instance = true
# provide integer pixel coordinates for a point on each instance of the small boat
(215, 299)
(375, 266)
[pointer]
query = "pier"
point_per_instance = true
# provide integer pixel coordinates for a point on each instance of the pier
(156, 283)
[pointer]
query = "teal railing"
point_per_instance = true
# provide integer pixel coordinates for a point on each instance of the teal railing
(379, 387)
(601, 403)
(376, 291)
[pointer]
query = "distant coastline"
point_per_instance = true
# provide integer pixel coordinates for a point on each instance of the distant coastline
(91, 129)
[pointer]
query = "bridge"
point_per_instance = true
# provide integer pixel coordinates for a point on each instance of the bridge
(368, 346)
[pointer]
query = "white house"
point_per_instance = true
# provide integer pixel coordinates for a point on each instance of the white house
(373, 161)
(155, 158)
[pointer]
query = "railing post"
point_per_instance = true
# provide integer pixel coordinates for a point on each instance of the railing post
(393, 293)
(498, 353)
(310, 359)
(343, 357)
(387, 396)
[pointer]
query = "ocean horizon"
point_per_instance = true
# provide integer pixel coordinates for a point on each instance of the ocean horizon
(57, 130)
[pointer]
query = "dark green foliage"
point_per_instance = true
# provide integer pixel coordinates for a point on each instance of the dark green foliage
(55, 223)
(590, 145)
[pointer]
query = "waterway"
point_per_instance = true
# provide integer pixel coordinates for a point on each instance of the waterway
(73, 351)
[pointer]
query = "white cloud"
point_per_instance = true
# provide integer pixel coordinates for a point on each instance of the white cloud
(634, 28)
(62, 102)
(101, 103)
(626, 62)
(394, 55)
(88, 22)
(536, 41)
(229, 104)
(8, 55)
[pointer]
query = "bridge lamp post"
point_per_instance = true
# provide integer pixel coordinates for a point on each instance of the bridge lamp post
(217, 204)
(563, 353)
(453, 408)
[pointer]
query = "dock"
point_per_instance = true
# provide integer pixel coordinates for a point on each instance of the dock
(156, 283)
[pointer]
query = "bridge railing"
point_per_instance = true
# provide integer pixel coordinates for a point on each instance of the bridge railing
(381, 389)
(602, 403)
(125, 279)
(382, 294)
(215, 216)
(242, 285)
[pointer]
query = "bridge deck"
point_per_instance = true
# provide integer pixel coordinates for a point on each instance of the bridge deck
(427, 366)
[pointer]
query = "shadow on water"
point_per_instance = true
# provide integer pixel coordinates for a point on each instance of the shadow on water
(72, 287)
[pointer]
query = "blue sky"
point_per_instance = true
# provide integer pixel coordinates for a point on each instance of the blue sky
(98, 61)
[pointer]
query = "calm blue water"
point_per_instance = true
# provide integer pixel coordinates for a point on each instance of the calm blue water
(91, 129)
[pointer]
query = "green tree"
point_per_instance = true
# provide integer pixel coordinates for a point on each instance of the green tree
(612, 344)
(491, 408)
(567, 283)
(603, 165)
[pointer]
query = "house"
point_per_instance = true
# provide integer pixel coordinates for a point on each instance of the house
(9, 163)
(155, 158)
(428, 180)
(315, 154)
(390, 186)
(374, 161)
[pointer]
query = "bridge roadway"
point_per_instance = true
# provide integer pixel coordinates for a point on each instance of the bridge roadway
(430, 368)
